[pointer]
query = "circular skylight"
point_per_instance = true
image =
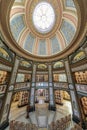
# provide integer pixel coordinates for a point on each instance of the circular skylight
(43, 17)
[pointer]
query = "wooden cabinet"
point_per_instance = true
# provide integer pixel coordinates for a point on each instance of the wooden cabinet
(59, 97)
(4, 80)
(84, 105)
(4, 77)
(24, 97)
(81, 77)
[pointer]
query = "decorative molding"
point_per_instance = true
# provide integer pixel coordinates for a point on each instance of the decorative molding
(81, 88)
(58, 71)
(61, 85)
(4, 67)
(24, 71)
(81, 67)
(42, 72)
(22, 86)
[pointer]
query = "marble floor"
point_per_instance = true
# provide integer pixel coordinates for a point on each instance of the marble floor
(18, 114)
(42, 117)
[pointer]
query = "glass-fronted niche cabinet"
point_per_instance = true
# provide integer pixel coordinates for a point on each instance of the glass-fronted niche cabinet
(59, 77)
(21, 98)
(4, 80)
(83, 101)
(80, 77)
(41, 78)
(60, 96)
(21, 77)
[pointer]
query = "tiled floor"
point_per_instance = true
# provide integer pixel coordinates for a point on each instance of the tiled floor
(41, 117)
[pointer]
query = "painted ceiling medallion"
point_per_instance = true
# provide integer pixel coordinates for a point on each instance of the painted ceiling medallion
(43, 17)
(43, 25)
(44, 28)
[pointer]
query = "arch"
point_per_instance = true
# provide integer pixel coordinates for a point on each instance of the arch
(79, 56)
(24, 63)
(42, 66)
(58, 64)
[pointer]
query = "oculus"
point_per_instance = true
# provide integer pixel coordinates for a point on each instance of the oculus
(43, 17)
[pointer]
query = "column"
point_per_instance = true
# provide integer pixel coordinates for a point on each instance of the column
(51, 89)
(74, 99)
(7, 102)
(32, 91)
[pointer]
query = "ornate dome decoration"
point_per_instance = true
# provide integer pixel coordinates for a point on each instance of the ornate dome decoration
(43, 17)
(55, 8)
(43, 27)
(4, 54)
(58, 64)
(42, 66)
(79, 56)
(25, 64)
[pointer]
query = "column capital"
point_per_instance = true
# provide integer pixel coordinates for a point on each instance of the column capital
(49, 63)
(17, 57)
(34, 63)
(66, 59)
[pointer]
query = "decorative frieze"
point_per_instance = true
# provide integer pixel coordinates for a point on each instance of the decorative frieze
(60, 85)
(24, 71)
(81, 67)
(81, 88)
(4, 67)
(22, 85)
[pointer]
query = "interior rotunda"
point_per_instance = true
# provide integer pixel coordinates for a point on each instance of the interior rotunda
(43, 64)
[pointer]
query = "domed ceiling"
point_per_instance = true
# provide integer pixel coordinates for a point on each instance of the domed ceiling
(43, 27)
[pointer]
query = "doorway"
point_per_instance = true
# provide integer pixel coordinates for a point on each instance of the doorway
(41, 96)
